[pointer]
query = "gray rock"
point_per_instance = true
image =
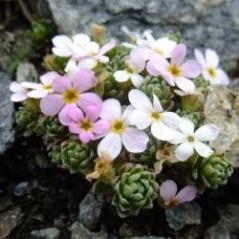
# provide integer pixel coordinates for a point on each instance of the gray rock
(149, 237)
(46, 233)
(217, 231)
(26, 72)
(21, 189)
(78, 231)
(90, 209)
(213, 23)
(6, 113)
(183, 214)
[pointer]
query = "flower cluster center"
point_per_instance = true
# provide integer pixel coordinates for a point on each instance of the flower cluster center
(86, 124)
(70, 96)
(172, 202)
(174, 70)
(118, 126)
(191, 138)
(47, 87)
(155, 115)
(212, 72)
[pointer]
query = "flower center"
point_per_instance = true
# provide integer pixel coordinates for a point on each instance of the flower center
(190, 138)
(174, 70)
(71, 95)
(212, 72)
(47, 87)
(118, 126)
(159, 50)
(155, 115)
(86, 124)
(172, 202)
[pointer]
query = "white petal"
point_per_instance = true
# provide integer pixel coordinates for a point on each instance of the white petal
(87, 63)
(165, 45)
(111, 144)
(171, 119)
(199, 57)
(140, 119)
(222, 78)
(162, 132)
(156, 103)
(37, 94)
(62, 45)
(178, 138)
(136, 79)
(134, 140)
(184, 151)
(207, 132)
(185, 84)
(18, 97)
(127, 112)
(48, 77)
(121, 76)
(81, 39)
(140, 100)
(31, 85)
(212, 58)
(203, 149)
(111, 109)
(186, 126)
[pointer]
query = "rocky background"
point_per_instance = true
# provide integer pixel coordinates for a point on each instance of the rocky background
(38, 200)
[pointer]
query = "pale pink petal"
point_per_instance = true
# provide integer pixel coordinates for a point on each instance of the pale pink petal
(184, 151)
(49, 77)
(37, 94)
(168, 190)
(162, 132)
(101, 127)
(127, 112)
(159, 63)
(191, 69)
(171, 119)
(152, 70)
(16, 87)
(86, 137)
(178, 54)
(203, 149)
(186, 126)
(222, 78)
(137, 79)
(91, 104)
(156, 103)
(207, 132)
(169, 79)
(51, 104)
(74, 128)
(107, 47)
(165, 46)
(187, 194)
(199, 57)
(185, 84)
(140, 119)
(18, 97)
(134, 140)
(69, 114)
(87, 63)
(61, 46)
(140, 100)
(111, 109)
(31, 85)
(84, 80)
(121, 76)
(111, 144)
(75, 113)
(61, 84)
(138, 57)
(212, 58)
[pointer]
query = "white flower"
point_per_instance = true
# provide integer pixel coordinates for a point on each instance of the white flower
(211, 72)
(163, 124)
(19, 92)
(190, 140)
(131, 72)
(120, 132)
(40, 90)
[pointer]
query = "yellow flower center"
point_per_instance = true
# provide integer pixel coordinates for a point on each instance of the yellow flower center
(172, 202)
(212, 72)
(190, 138)
(155, 115)
(86, 125)
(118, 126)
(159, 50)
(71, 95)
(174, 70)
(47, 87)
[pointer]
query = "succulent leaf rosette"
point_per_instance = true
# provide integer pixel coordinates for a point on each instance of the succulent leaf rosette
(128, 115)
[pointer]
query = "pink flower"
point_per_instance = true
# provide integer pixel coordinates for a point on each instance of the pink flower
(70, 91)
(176, 72)
(168, 192)
(19, 92)
(87, 126)
(120, 131)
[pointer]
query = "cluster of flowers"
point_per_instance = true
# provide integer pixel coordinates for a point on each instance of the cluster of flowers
(121, 128)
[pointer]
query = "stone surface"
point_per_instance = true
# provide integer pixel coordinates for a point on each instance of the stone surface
(217, 232)
(90, 209)
(183, 214)
(6, 113)
(26, 72)
(203, 23)
(8, 221)
(46, 233)
(78, 231)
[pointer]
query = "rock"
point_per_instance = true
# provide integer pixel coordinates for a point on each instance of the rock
(26, 72)
(217, 231)
(78, 231)
(90, 209)
(6, 113)
(212, 24)
(183, 214)
(46, 233)
(21, 189)
(8, 221)
(149, 237)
